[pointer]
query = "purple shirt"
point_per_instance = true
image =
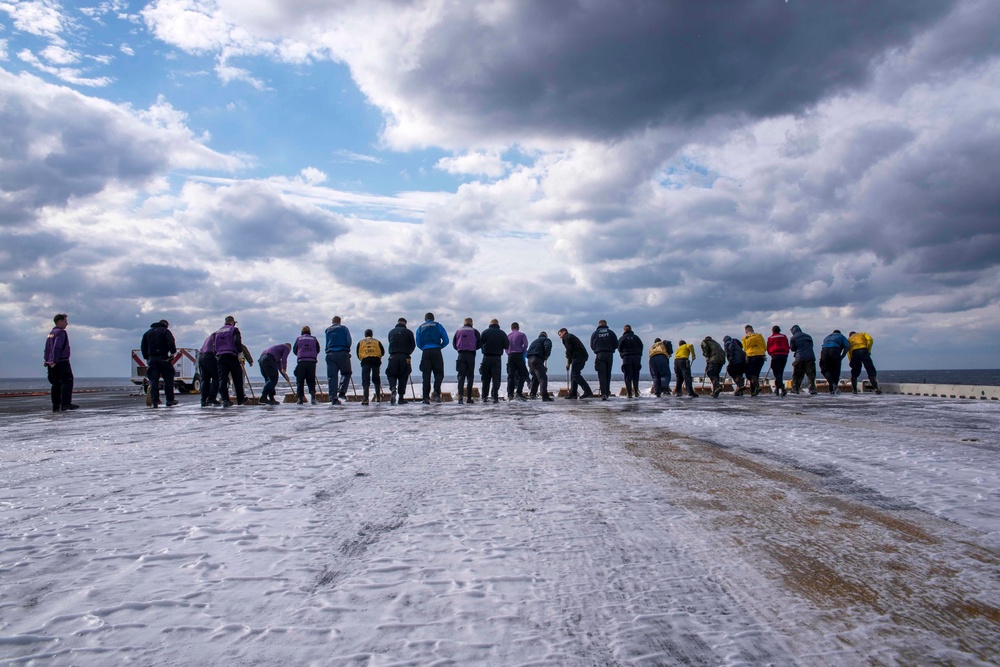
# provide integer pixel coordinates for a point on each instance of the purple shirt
(57, 346)
(517, 343)
(306, 348)
(280, 354)
(208, 345)
(465, 339)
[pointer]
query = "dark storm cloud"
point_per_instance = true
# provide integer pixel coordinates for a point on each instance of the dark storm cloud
(254, 220)
(603, 69)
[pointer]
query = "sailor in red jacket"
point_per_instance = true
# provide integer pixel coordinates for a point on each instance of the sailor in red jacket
(777, 349)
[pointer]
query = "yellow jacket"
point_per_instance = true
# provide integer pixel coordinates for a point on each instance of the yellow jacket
(754, 345)
(685, 351)
(859, 341)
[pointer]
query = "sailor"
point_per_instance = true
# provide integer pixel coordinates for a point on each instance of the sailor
(659, 366)
(494, 344)
(777, 348)
(737, 365)
(273, 360)
(604, 343)
(517, 369)
(208, 367)
(231, 353)
(370, 352)
(401, 345)
(576, 359)
(755, 347)
(56, 361)
(682, 368)
(466, 340)
(630, 349)
(830, 356)
(859, 353)
(431, 338)
(338, 359)
(538, 353)
(158, 349)
(715, 359)
(804, 362)
(306, 350)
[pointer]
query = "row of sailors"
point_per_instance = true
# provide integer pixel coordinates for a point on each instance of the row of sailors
(222, 354)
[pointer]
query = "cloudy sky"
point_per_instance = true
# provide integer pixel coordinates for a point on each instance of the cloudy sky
(682, 167)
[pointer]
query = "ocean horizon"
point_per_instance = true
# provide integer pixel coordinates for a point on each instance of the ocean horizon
(975, 377)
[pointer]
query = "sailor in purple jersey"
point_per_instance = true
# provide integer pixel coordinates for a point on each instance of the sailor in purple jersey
(306, 350)
(56, 360)
(228, 349)
(208, 366)
(466, 340)
(517, 369)
(273, 360)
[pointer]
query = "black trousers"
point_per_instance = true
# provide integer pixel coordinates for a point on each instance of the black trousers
(631, 365)
(305, 374)
(603, 361)
(829, 365)
(736, 371)
(230, 370)
(682, 369)
(861, 358)
(576, 378)
(466, 369)
(157, 368)
(398, 371)
(539, 376)
(778, 370)
(61, 378)
(490, 371)
(269, 370)
(370, 368)
(432, 363)
(754, 366)
(517, 374)
(208, 367)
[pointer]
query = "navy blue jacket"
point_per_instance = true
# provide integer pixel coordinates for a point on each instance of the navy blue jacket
(801, 344)
(629, 344)
(603, 340)
(401, 340)
(540, 347)
(158, 342)
(734, 350)
(494, 341)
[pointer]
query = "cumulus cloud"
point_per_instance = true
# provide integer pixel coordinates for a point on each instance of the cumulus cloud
(256, 220)
(37, 17)
(478, 163)
(70, 145)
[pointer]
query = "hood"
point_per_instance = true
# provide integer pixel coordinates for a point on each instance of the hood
(727, 339)
(156, 325)
(795, 329)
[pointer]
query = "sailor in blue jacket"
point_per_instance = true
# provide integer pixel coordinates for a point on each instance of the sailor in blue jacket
(430, 338)
(834, 350)
(338, 359)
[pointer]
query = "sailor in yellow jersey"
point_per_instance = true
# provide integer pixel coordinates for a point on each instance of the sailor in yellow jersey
(755, 348)
(682, 368)
(370, 352)
(859, 353)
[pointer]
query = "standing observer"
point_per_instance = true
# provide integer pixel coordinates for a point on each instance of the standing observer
(56, 360)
